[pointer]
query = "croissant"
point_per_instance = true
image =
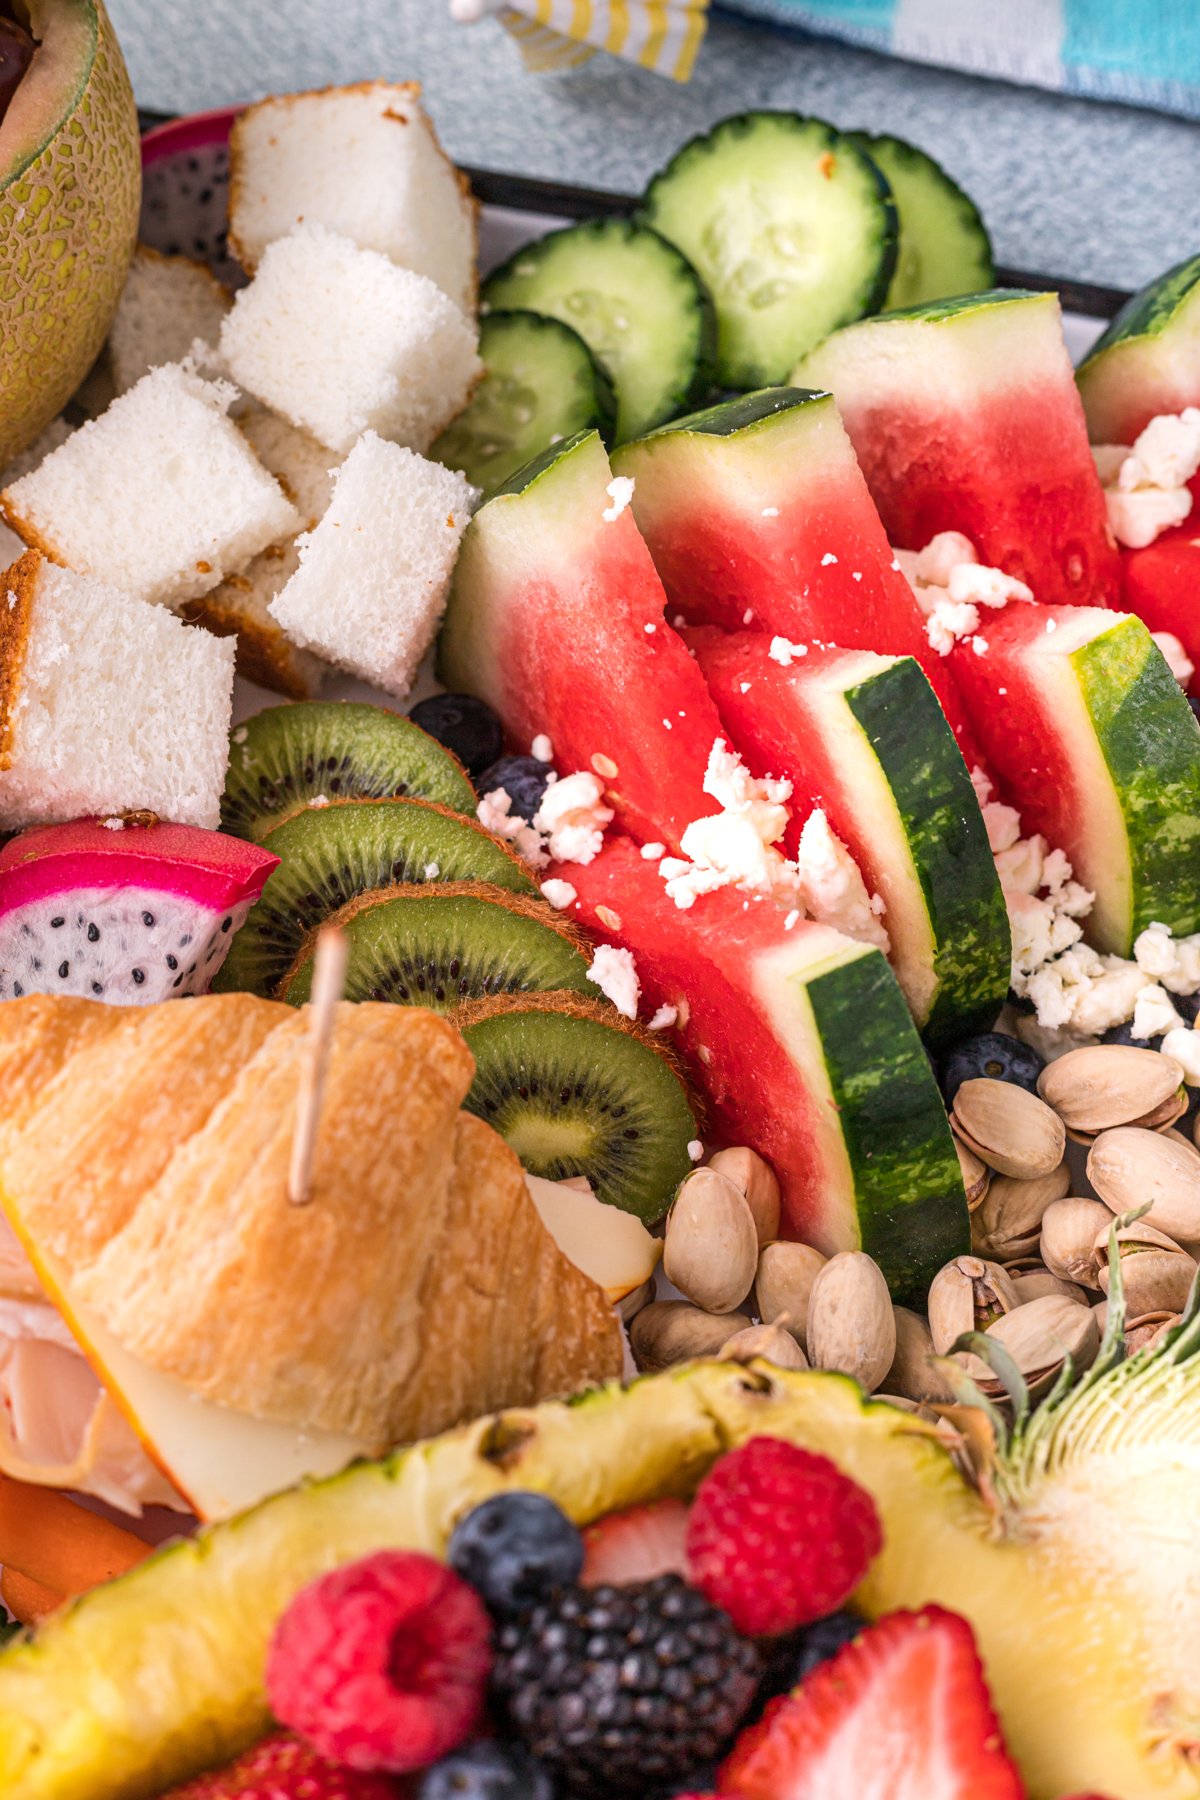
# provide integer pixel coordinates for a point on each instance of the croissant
(143, 1165)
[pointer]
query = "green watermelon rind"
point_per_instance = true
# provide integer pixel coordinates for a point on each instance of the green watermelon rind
(1148, 313)
(744, 412)
(948, 844)
(1150, 742)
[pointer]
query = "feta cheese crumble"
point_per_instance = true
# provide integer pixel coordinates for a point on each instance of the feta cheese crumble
(496, 815)
(951, 585)
(832, 887)
(785, 653)
(695, 1149)
(560, 894)
(620, 492)
(615, 974)
(541, 749)
(572, 817)
(664, 1018)
(1145, 485)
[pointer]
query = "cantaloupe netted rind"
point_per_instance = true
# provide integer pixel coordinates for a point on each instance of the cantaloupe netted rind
(1084, 1611)
(70, 189)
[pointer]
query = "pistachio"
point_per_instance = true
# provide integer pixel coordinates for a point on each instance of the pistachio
(1103, 1085)
(711, 1246)
(1069, 1232)
(773, 1342)
(1040, 1336)
(903, 1402)
(914, 1374)
(1148, 1332)
(1036, 1283)
(783, 1284)
(671, 1331)
(851, 1326)
(1008, 1128)
(1155, 1273)
(632, 1303)
(1130, 1166)
(1008, 1222)
(756, 1178)
(975, 1175)
(967, 1295)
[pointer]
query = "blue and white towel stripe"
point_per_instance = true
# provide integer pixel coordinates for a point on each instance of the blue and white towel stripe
(1144, 52)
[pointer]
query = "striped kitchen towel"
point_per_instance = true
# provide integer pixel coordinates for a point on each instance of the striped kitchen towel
(661, 35)
(1145, 52)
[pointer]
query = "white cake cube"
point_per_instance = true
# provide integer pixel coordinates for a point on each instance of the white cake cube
(106, 704)
(166, 305)
(373, 577)
(162, 495)
(341, 341)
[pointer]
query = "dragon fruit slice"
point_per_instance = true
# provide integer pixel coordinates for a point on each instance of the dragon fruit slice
(128, 910)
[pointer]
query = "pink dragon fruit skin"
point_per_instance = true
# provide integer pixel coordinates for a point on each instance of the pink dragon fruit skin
(127, 910)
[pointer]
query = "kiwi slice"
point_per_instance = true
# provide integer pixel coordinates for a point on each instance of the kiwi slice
(575, 1090)
(328, 854)
(288, 756)
(441, 945)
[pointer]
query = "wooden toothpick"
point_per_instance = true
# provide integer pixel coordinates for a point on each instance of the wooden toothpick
(329, 976)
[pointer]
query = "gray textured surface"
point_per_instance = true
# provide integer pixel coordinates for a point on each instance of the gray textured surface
(1071, 187)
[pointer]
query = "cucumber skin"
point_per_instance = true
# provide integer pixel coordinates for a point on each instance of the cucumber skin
(973, 222)
(950, 851)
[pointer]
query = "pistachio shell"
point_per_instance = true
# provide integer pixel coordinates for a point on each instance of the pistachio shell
(1104, 1085)
(1069, 1231)
(1156, 1274)
(632, 1303)
(784, 1282)
(1008, 1128)
(904, 1404)
(774, 1343)
(670, 1331)
(1008, 1222)
(1040, 1335)
(711, 1247)
(1037, 1283)
(1148, 1332)
(975, 1174)
(851, 1326)
(965, 1296)
(756, 1178)
(1130, 1166)
(914, 1374)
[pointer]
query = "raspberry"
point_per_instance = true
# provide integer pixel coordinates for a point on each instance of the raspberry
(282, 1768)
(779, 1537)
(382, 1664)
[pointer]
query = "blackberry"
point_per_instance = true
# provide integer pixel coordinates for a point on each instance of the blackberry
(619, 1691)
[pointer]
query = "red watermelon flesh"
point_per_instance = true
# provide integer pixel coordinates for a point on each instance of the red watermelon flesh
(1161, 583)
(757, 516)
(802, 1046)
(557, 620)
(965, 417)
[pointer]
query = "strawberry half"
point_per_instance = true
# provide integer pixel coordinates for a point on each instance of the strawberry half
(902, 1713)
(638, 1545)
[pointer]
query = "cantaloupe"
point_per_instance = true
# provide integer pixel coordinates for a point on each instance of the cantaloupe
(70, 190)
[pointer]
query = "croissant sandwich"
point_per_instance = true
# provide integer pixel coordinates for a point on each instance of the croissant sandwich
(174, 1329)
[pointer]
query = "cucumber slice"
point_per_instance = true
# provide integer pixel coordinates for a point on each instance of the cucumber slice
(790, 225)
(542, 384)
(944, 245)
(636, 302)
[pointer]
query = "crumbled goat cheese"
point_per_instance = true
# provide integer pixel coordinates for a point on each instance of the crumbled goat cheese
(620, 492)
(1184, 1046)
(1153, 1013)
(653, 852)
(951, 585)
(432, 871)
(949, 621)
(934, 565)
(560, 894)
(734, 846)
(113, 824)
(785, 653)
(695, 1149)
(572, 817)
(496, 815)
(828, 559)
(1173, 962)
(832, 886)
(1178, 661)
(615, 974)
(541, 749)
(664, 1018)
(984, 586)
(1145, 485)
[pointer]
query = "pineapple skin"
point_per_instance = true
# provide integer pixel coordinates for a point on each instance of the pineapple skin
(157, 1675)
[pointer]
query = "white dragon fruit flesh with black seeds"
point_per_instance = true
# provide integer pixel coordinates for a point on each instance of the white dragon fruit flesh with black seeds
(128, 910)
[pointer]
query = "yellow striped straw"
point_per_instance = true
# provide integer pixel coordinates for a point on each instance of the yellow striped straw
(660, 35)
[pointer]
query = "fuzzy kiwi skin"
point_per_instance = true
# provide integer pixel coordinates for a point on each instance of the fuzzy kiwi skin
(296, 985)
(642, 1181)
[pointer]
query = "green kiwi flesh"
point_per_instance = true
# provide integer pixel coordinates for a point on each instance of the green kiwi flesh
(438, 946)
(287, 756)
(575, 1091)
(328, 854)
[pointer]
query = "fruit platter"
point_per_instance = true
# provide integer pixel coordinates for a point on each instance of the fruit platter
(599, 972)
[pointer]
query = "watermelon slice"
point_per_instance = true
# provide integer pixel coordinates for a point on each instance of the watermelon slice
(1162, 586)
(1148, 361)
(863, 737)
(965, 417)
(1097, 748)
(756, 514)
(801, 1042)
(557, 620)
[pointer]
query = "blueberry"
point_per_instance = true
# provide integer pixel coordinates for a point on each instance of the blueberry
(523, 778)
(1194, 704)
(994, 1056)
(1187, 1006)
(1123, 1035)
(515, 1549)
(487, 1771)
(463, 724)
(824, 1639)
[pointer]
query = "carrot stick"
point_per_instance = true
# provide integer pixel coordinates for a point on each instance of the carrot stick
(50, 1540)
(28, 1601)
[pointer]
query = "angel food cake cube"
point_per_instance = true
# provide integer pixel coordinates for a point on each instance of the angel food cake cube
(364, 161)
(161, 496)
(106, 704)
(167, 303)
(341, 341)
(373, 576)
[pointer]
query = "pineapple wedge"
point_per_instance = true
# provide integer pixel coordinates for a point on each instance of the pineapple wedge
(1080, 1569)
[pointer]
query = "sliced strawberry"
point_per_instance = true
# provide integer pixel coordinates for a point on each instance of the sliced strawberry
(902, 1713)
(637, 1545)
